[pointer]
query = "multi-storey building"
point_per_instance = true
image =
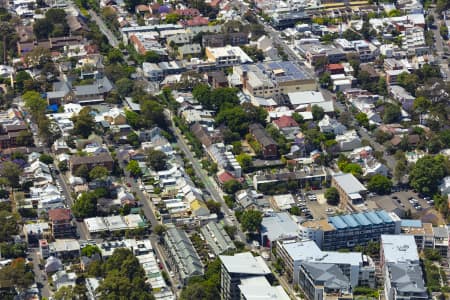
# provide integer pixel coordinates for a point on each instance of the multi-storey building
(399, 259)
(237, 268)
(61, 222)
(347, 231)
(358, 268)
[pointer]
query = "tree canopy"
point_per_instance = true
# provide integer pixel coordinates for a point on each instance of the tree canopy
(379, 184)
(85, 205)
(251, 220)
(157, 159)
(133, 168)
(215, 98)
(426, 175)
(84, 123)
(332, 196)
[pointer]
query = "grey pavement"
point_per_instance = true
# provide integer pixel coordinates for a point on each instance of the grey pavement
(104, 29)
(39, 275)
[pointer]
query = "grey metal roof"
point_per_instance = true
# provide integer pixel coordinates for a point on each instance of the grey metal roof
(407, 278)
(101, 86)
(328, 275)
(217, 238)
(183, 252)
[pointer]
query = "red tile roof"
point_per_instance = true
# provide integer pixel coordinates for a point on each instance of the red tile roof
(335, 67)
(285, 121)
(59, 214)
(225, 177)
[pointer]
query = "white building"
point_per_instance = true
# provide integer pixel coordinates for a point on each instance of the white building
(348, 141)
(358, 267)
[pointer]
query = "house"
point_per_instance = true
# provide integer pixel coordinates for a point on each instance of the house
(348, 140)
(199, 208)
(35, 232)
(102, 159)
(61, 222)
(217, 79)
(287, 125)
(227, 56)
(221, 40)
(350, 189)
(182, 255)
(189, 51)
(331, 125)
(217, 238)
(64, 279)
(267, 143)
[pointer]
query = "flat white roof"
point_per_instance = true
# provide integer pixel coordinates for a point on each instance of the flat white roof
(95, 224)
(245, 263)
(399, 248)
(308, 251)
(258, 288)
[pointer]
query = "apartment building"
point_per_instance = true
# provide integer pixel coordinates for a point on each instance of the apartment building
(266, 80)
(237, 268)
(227, 56)
(347, 231)
(403, 277)
(61, 222)
(357, 267)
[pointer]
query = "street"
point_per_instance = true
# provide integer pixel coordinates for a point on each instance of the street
(210, 186)
(104, 29)
(39, 275)
(439, 44)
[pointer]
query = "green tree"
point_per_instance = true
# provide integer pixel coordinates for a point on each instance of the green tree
(85, 205)
(443, 30)
(12, 172)
(159, 229)
(157, 159)
(231, 186)
(133, 139)
(83, 123)
(213, 206)
(25, 138)
(353, 168)
(46, 158)
(34, 104)
(251, 220)
(9, 225)
(90, 250)
(332, 196)
(42, 28)
(391, 113)
(298, 118)
(98, 172)
(317, 112)
(18, 274)
(62, 166)
(124, 86)
(362, 119)
(133, 168)
(82, 171)
(427, 173)
(408, 81)
(152, 57)
(172, 18)
(21, 77)
(379, 184)
(115, 56)
(245, 161)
